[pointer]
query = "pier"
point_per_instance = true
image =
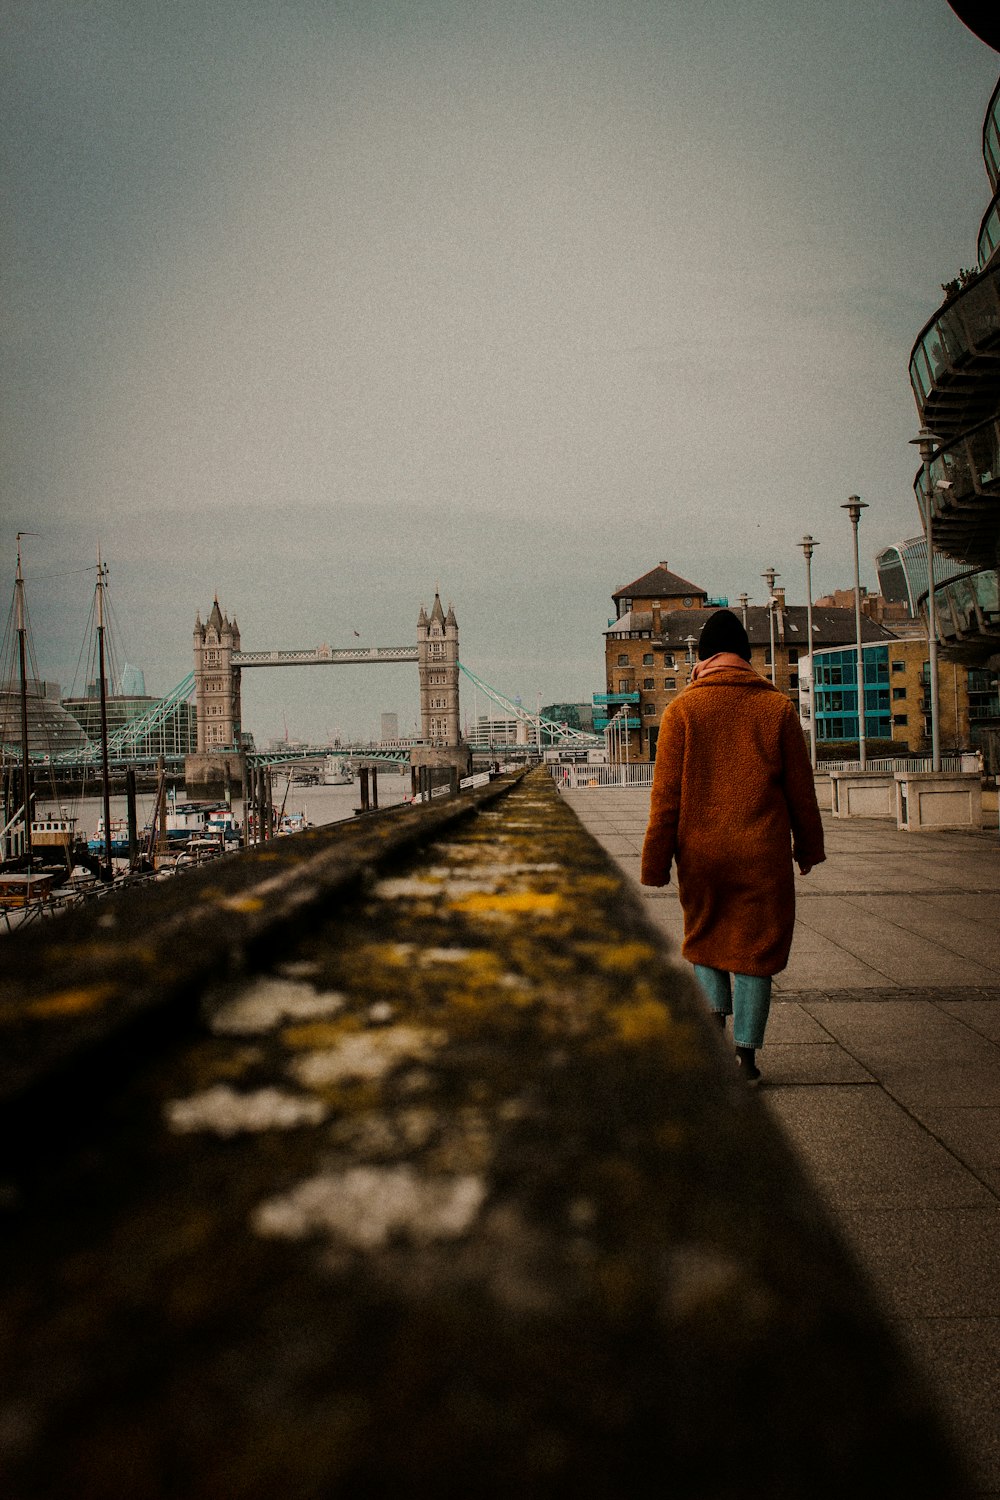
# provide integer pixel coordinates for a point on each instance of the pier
(403, 1159)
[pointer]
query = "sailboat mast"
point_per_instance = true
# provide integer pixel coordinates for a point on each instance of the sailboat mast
(103, 689)
(22, 660)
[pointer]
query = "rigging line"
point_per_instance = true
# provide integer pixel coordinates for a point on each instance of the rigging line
(72, 573)
(86, 643)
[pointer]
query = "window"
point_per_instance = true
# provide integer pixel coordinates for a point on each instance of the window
(899, 720)
(899, 666)
(793, 652)
(649, 708)
(625, 685)
(647, 660)
(898, 693)
(668, 659)
(648, 684)
(623, 659)
(670, 683)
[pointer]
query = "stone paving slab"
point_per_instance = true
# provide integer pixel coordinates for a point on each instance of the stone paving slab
(931, 1262)
(864, 1150)
(898, 954)
(961, 1356)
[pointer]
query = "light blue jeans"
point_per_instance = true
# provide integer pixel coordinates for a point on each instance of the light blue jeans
(749, 1001)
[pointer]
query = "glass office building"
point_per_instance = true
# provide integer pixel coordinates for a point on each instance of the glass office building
(903, 577)
(835, 693)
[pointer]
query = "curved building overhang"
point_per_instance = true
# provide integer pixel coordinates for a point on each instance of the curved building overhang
(981, 20)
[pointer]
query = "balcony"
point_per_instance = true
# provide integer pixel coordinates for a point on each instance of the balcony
(968, 615)
(955, 363)
(601, 724)
(616, 698)
(962, 484)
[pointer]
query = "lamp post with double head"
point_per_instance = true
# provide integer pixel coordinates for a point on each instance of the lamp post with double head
(926, 442)
(769, 575)
(854, 505)
(807, 544)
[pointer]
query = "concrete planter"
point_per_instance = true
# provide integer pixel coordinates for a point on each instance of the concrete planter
(824, 790)
(938, 799)
(862, 794)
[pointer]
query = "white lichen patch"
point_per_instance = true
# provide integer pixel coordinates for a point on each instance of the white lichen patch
(514, 982)
(374, 1135)
(365, 1207)
(269, 1002)
(299, 968)
(463, 885)
(406, 885)
(226, 1112)
(445, 955)
(366, 1055)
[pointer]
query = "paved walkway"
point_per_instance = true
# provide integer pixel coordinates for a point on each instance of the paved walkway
(882, 1065)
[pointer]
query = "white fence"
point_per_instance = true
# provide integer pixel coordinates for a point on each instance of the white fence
(574, 778)
(966, 761)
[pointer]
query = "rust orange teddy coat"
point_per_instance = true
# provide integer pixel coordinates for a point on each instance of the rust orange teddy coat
(733, 799)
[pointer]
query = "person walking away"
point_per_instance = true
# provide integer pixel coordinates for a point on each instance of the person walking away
(732, 804)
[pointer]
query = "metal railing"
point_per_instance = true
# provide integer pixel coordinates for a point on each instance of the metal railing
(580, 778)
(963, 761)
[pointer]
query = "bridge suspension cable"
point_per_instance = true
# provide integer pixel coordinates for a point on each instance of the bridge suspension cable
(124, 741)
(547, 729)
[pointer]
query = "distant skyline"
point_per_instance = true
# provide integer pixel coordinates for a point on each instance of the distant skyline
(322, 304)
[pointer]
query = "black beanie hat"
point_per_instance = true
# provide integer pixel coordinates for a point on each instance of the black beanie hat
(723, 632)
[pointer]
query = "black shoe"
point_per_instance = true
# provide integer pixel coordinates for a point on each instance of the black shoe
(747, 1064)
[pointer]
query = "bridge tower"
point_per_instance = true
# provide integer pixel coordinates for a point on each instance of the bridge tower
(437, 664)
(217, 682)
(218, 765)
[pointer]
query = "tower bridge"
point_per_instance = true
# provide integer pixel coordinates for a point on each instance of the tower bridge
(219, 663)
(215, 683)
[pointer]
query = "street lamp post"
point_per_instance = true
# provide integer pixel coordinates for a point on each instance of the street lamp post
(926, 443)
(769, 575)
(807, 544)
(690, 642)
(854, 505)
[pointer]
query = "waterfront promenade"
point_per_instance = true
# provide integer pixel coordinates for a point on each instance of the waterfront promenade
(882, 1065)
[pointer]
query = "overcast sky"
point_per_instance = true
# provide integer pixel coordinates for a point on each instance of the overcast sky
(318, 304)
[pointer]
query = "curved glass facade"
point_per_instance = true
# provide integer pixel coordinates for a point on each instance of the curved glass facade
(963, 339)
(989, 234)
(970, 604)
(991, 138)
(902, 572)
(955, 377)
(51, 730)
(962, 483)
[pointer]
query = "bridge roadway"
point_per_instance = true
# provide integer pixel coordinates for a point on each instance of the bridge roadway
(882, 1067)
(402, 1160)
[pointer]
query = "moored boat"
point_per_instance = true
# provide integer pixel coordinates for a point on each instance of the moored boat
(337, 771)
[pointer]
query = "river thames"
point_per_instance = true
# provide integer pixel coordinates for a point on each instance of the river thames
(319, 804)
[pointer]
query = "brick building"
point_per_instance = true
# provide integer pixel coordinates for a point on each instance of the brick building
(651, 645)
